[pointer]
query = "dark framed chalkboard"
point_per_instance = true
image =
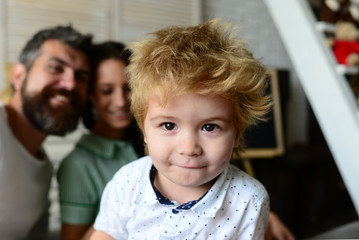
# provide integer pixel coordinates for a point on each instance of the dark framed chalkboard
(266, 139)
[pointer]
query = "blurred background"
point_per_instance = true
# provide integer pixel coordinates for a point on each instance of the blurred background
(309, 180)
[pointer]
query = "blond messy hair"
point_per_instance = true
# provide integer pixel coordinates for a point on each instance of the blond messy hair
(206, 59)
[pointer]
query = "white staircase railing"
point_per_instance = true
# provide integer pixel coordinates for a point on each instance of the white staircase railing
(328, 93)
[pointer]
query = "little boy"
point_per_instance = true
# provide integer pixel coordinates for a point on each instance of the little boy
(194, 91)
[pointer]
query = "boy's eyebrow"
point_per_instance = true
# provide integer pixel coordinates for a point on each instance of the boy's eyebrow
(162, 116)
(210, 119)
(223, 119)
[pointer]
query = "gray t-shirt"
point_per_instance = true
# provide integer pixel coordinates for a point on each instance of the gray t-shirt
(24, 186)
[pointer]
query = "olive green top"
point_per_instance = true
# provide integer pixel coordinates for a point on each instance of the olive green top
(83, 174)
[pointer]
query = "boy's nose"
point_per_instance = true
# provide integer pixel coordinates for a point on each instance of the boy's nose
(189, 145)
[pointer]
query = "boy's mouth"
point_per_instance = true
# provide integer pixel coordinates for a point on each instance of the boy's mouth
(192, 166)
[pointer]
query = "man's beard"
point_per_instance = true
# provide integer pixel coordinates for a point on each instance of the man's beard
(48, 119)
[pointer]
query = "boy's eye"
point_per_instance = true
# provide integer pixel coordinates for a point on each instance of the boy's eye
(168, 126)
(209, 127)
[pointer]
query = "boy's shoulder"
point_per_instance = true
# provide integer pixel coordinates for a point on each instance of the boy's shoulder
(139, 163)
(131, 183)
(135, 169)
(246, 183)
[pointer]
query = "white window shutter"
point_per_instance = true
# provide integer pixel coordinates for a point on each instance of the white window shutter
(25, 17)
(134, 18)
(122, 20)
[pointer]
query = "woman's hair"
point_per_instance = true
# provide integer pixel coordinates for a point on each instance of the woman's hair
(102, 52)
(206, 59)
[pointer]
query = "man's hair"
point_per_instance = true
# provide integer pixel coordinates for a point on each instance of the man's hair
(206, 59)
(66, 34)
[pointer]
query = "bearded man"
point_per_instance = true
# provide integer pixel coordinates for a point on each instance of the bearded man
(50, 86)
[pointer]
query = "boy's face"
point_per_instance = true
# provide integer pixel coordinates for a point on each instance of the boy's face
(190, 140)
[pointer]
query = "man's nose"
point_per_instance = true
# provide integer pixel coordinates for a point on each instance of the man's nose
(68, 80)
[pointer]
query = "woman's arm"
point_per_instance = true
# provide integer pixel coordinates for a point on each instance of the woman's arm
(76, 232)
(99, 235)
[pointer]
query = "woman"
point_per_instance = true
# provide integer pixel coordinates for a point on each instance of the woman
(111, 143)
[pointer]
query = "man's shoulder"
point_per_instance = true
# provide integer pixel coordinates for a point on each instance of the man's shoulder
(3, 115)
(132, 178)
(9, 145)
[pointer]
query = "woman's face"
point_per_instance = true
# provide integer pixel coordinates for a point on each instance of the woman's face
(112, 96)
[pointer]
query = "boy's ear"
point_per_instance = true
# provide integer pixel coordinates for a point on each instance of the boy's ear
(18, 75)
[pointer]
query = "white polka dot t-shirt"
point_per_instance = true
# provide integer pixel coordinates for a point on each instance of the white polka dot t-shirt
(236, 207)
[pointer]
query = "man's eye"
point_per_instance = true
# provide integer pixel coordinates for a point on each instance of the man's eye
(55, 68)
(168, 126)
(81, 77)
(209, 127)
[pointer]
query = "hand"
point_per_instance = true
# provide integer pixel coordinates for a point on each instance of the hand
(277, 230)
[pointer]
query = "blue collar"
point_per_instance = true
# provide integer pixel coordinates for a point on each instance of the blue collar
(165, 201)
